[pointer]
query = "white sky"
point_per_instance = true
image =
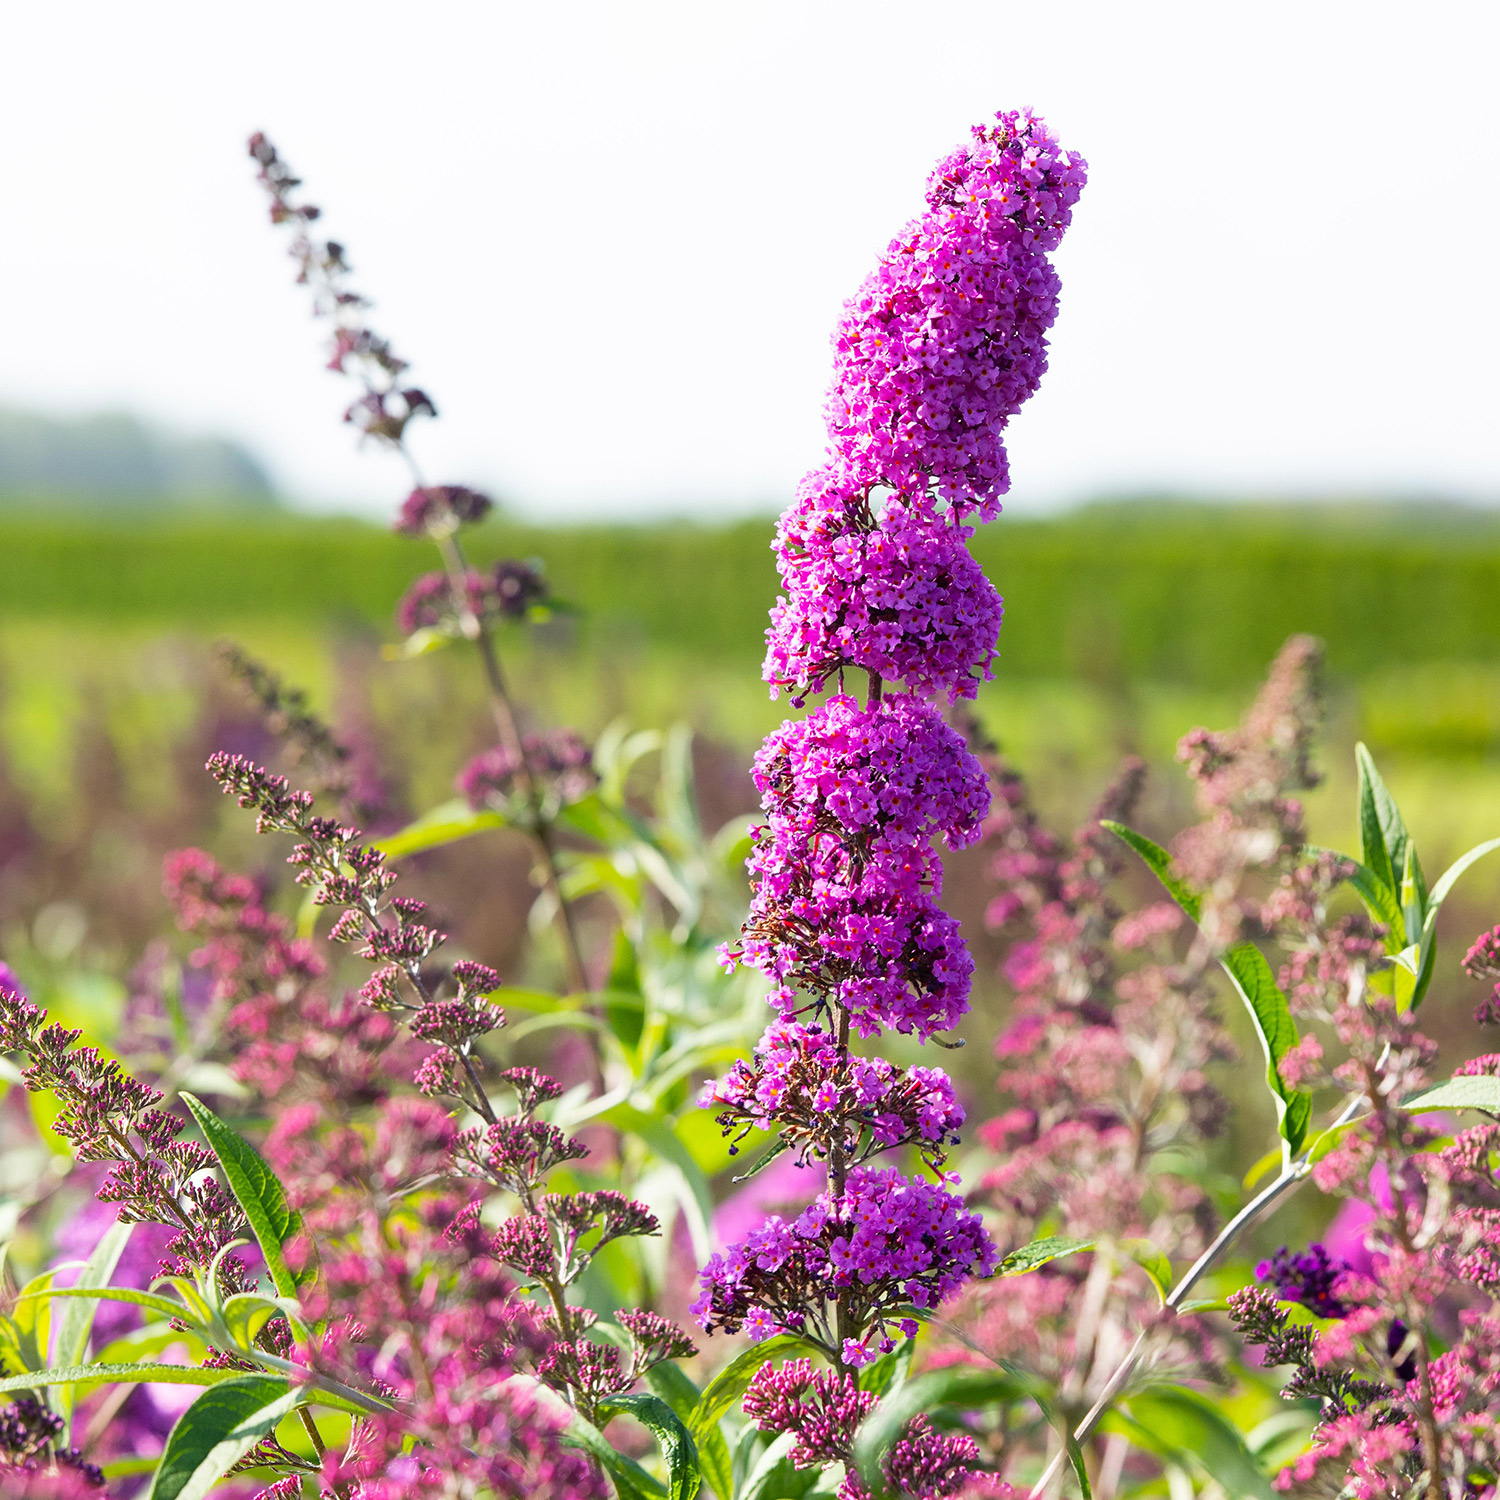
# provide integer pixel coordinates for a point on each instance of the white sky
(613, 239)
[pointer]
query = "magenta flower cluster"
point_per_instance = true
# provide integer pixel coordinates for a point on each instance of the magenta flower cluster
(933, 356)
(845, 874)
(939, 347)
(825, 1099)
(947, 336)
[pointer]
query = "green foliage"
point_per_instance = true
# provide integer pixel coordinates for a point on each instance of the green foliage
(1388, 879)
(1186, 1430)
(1188, 594)
(678, 1448)
(1482, 1093)
(260, 1195)
(1253, 981)
(1039, 1252)
(218, 1430)
(70, 1343)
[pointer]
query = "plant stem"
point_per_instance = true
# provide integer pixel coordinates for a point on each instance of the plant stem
(502, 709)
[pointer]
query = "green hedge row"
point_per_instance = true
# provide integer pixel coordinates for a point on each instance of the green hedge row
(1193, 594)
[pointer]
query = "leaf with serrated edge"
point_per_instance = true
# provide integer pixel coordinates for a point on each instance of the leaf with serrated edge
(1039, 1252)
(684, 1478)
(254, 1185)
(218, 1430)
(117, 1374)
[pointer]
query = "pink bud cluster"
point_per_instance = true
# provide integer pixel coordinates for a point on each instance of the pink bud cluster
(939, 347)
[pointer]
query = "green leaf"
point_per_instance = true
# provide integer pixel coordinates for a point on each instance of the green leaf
(445, 824)
(163, 1306)
(626, 1020)
(1380, 900)
(888, 1373)
(631, 1481)
(1039, 1252)
(421, 642)
(684, 1478)
(1179, 1423)
(731, 1383)
(670, 1381)
(254, 1184)
(1481, 1092)
(964, 1387)
(26, 1335)
(1160, 865)
(697, 1200)
(1449, 878)
(155, 1371)
(1151, 1260)
(1382, 832)
(70, 1344)
(218, 1430)
(772, 1477)
(1246, 965)
(675, 1386)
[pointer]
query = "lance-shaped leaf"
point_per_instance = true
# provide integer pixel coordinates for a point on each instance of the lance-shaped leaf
(1385, 845)
(1247, 967)
(1252, 978)
(254, 1184)
(1159, 862)
(731, 1383)
(684, 1478)
(445, 824)
(217, 1431)
(1481, 1092)
(1039, 1252)
(1179, 1424)
(75, 1322)
(673, 1385)
(156, 1371)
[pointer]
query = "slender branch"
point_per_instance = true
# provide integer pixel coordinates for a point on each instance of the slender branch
(1292, 1174)
(502, 709)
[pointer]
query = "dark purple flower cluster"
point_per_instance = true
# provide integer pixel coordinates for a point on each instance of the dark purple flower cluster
(440, 508)
(36, 1459)
(559, 765)
(506, 591)
(885, 1245)
(1310, 1277)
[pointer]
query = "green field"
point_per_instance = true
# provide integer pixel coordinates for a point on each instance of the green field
(1125, 625)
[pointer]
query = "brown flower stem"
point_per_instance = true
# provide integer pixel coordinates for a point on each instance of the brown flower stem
(502, 709)
(309, 1422)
